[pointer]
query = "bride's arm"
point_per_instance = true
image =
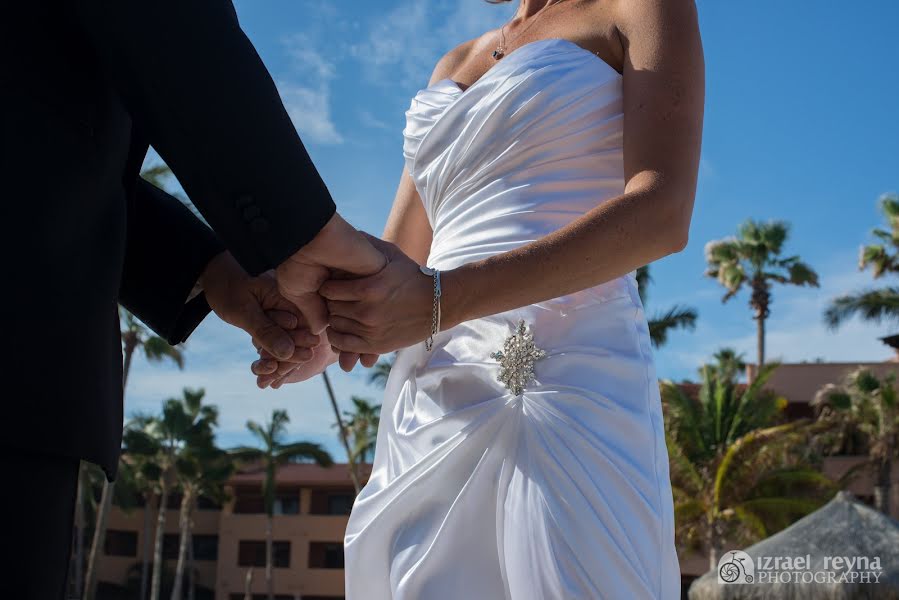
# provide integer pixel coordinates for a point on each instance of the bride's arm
(663, 108)
(408, 226)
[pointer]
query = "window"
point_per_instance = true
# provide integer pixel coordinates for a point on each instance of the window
(340, 504)
(287, 504)
(120, 543)
(248, 500)
(332, 502)
(204, 503)
(170, 543)
(325, 555)
(251, 553)
(206, 547)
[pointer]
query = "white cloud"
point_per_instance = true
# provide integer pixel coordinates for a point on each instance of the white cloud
(406, 43)
(310, 111)
(309, 104)
(369, 120)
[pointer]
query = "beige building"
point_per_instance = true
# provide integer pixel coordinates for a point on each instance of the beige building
(312, 506)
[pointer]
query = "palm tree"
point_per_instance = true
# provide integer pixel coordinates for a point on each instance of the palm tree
(753, 258)
(883, 259)
(147, 475)
(866, 404)
(676, 317)
(135, 336)
(202, 470)
(736, 473)
(91, 478)
(273, 454)
(362, 423)
(343, 433)
(728, 365)
(184, 423)
(381, 371)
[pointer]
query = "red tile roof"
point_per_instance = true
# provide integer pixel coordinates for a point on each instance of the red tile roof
(303, 474)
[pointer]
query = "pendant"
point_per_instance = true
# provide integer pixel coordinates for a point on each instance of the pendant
(517, 358)
(498, 54)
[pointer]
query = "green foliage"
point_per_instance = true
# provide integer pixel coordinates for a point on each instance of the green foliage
(275, 452)
(882, 257)
(862, 406)
(136, 336)
(737, 473)
(662, 324)
(753, 258)
(381, 371)
(362, 423)
(729, 365)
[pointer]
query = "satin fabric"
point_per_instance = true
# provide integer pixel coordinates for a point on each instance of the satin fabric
(562, 491)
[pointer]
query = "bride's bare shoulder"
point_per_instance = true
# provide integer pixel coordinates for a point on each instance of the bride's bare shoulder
(453, 60)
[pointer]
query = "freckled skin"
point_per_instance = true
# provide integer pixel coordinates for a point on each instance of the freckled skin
(655, 45)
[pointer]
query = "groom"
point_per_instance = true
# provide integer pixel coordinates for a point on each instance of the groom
(85, 87)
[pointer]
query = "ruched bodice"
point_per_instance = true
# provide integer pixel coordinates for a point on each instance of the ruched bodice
(523, 457)
(533, 144)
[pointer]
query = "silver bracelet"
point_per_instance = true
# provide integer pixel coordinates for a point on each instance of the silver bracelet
(435, 319)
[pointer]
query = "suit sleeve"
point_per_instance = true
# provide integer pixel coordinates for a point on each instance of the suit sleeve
(166, 252)
(197, 90)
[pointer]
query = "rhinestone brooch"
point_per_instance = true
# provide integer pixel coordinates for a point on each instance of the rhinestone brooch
(517, 359)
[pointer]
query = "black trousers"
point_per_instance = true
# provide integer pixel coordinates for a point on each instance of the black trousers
(37, 502)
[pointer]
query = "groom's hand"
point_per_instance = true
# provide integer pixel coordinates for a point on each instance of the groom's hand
(337, 247)
(255, 305)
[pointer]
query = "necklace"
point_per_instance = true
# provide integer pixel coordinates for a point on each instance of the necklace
(500, 50)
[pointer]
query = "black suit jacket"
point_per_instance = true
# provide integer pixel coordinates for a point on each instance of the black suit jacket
(85, 86)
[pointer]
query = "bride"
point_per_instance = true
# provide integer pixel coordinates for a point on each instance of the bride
(521, 450)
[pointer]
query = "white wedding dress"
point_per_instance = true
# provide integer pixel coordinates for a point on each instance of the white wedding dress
(561, 491)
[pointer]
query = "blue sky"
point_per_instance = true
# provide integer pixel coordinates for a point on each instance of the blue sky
(801, 125)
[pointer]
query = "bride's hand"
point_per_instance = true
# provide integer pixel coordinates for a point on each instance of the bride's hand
(285, 372)
(381, 313)
(272, 373)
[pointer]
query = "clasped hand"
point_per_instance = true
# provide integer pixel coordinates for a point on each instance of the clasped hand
(354, 297)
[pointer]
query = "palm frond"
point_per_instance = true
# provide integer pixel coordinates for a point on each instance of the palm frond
(304, 450)
(247, 455)
(381, 371)
(802, 274)
(643, 281)
(156, 349)
(875, 305)
(737, 453)
(684, 417)
(677, 317)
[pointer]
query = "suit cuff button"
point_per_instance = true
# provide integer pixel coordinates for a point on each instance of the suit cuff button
(259, 226)
(250, 213)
